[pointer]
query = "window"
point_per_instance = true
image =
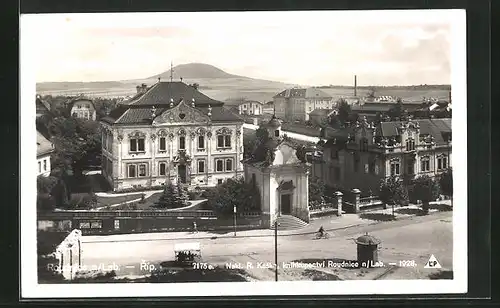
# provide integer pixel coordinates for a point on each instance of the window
(39, 167)
(229, 164)
(201, 142)
(44, 165)
(163, 169)
(219, 165)
(79, 106)
(97, 224)
(163, 144)
(137, 145)
(442, 162)
(395, 168)
(75, 115)
(201, 166)
(131, 171)
(276, 133)
(410, 145)
(142, 170)
(219, 181)
(105, 140)
(182, 143)
(334, 154)
(363, 144)
(84, 225)
(425, 164)
(224, 141)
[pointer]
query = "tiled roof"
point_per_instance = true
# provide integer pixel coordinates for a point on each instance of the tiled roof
(162, 92)
(437, 128)
(41, 105)
(43, 145)
(159, 96)
(304, 93)
(72, 101)
(381, 107)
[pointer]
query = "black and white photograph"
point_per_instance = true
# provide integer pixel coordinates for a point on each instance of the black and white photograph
(243, 153)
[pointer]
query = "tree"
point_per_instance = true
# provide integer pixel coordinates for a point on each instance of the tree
(60, 193)
(425, 189)
(335, 121)
(225, 196)
(392, 191)
(264, 148)
(397, 111)
(446, 183)
(344, 111)
(317, 190)
(171, 197)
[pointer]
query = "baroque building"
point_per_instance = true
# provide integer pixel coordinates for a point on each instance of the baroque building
(360, 156)
(171, 132)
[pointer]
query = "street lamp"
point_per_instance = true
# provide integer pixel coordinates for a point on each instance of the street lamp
(276, 224)
(234, 219)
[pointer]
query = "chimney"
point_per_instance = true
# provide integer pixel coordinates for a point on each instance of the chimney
(355, 86)
(144, 88)
(139, 89)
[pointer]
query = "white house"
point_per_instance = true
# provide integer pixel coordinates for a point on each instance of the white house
(43, 150)
(251, 108)
(171, 132)
(82, 108)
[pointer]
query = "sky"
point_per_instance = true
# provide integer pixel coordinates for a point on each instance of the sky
(320, 48)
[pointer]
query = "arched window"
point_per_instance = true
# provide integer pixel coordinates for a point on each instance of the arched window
(182, 143)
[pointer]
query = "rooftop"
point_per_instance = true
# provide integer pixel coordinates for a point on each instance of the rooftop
(164, 96)
(43, 145)
(304, 93)
(437, 128)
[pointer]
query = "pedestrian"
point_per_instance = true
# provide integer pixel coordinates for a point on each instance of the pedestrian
(195, 228)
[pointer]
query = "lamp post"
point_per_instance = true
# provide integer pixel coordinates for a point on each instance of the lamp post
(276, 224)
(234, 219)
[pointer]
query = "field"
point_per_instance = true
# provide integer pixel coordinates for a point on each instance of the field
(234, 88)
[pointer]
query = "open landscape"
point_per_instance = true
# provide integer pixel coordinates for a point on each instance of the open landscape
(223, 86)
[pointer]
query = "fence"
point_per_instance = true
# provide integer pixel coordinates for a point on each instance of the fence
(120, 222)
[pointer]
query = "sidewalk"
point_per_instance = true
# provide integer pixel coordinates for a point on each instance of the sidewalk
(329, 223)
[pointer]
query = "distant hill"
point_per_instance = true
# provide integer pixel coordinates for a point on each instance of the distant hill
(195, 70)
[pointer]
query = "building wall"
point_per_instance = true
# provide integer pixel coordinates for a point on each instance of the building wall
(280, 107)
(121, 157)
(250, 108)
(43, 165)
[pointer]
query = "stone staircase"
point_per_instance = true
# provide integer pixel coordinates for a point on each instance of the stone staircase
(289, 222)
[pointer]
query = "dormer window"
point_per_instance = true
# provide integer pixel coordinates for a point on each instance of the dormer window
(277, 133)
(410, 145)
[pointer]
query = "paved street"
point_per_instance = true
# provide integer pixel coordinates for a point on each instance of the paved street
(409, 239)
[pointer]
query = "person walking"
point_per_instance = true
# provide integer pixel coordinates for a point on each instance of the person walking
(195, 228)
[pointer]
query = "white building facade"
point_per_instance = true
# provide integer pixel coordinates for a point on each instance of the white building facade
(44, 149)
(171, 133)
(251, 108)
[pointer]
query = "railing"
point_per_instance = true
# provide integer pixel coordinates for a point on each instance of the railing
(325, 207)
(369, 200)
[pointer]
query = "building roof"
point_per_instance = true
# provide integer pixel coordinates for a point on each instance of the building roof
(41, 105)
(250, 102)
(321, 112)
(437, 128)
(73, 100)
(43, 145)
(162, 93)
(381, 107)
(160, 96)
(304, 93)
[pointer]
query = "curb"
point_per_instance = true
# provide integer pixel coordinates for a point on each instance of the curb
(257, 235)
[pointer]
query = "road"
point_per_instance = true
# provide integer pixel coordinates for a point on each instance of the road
(410, 239)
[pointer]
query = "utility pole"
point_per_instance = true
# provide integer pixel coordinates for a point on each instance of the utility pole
(276, 224)
(234, 219)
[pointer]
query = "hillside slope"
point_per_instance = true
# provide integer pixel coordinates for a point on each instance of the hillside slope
(195, 70)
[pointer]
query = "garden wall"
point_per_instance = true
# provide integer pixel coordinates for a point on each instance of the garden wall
(124, 222)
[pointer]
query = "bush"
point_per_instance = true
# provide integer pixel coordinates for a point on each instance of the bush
(45, 202)
(139, 189)
(224, 197)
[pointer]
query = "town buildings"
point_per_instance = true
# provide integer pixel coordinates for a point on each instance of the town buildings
(250, 108)
(44, 149)
(297, 103)
(360, 156)
(82, 107)
(321, 116)
(171, 132)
